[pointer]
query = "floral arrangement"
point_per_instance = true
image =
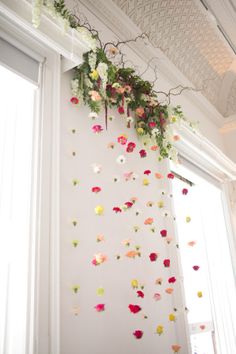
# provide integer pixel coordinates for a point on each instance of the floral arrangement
(102, 84)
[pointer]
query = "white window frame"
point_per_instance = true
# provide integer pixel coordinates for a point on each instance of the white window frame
(43, 325)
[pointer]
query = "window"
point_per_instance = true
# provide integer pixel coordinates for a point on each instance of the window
(203, 242)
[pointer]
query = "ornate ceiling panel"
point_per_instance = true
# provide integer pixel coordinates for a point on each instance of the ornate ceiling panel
(188, 38)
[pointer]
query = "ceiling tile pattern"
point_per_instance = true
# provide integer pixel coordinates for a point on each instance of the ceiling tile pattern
(183, 32)
(231, 100)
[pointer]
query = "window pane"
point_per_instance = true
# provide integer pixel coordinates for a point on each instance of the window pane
(16, 144)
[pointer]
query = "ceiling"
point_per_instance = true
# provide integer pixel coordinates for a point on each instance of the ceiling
(199, 37)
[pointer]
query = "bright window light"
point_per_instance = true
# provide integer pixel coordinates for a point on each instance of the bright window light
(16, 150)
(210, 290)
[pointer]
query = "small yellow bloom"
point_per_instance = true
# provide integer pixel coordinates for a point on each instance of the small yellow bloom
(100, 291)
(173, 119)
(160, 204)
(99, 210)
(75, 288)
(94, 75)
(145, 182)
(188, 219)
(199, 293)
(75, 243)
(160, 329)
(172, 317)
(140, 131)
(134, 283)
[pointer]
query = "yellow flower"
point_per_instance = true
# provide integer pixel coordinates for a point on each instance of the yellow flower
(160, 204)
(75, 288)
(188, 219)
(100, 291)
(159, 329)
(140, 131)
(94, 75)
(199, 293)
(145, 182)
(75, 243)
(134, 283)
(172, 317)
(173, 119)
(99, 210)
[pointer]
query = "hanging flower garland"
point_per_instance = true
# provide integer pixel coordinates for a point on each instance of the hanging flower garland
(101, 84)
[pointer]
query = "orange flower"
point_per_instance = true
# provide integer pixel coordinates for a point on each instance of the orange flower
(139, 111)
(158, 175)
(169, 290)
(133, 254)
(154, 148)
(176, 348)
(148, 221)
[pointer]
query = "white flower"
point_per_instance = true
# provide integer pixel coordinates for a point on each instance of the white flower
(162, 192)
(121, 159)
(93, 115)
(92, 59)
(116, 179)
(75, 87)
(134, 177)
(102, 71)
(116, 85)
(165, 213)
(155, 131)
(96, 168)
(130, 119)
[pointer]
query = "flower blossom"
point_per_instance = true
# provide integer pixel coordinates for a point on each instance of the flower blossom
(98, 259)
(130, 147)
(140, 294)
(97, 128)
(100, 307)
(142, 153)
(95, 96)
(96, 189)
(134, 308)
(122, 139)
(153, 256)
(166, 263)
(138, 333)
(74, 100)
(117, 210)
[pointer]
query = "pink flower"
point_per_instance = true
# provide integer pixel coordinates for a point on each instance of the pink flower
(170, 176)
(134, 308)
(153, 257)
(121, 110)
(140, 294)
(138, 333)
(139, 111)
(166, 263)
(96, 189)
(74, 100)
(128, 204)
(157, 297)
(128, 175)
(172, 280)
(95, 96)
(196, 267)
(147, 172)
(130, 147)
(184, 191)
(117, 210)
(143, 153)
(163, 233)
(122, 139)
(152, 124)
(100, 307)
(97, 129)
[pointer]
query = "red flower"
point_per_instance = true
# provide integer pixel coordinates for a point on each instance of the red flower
(138, 333)
(96, 189)
(152, 124)
(122, 139)
(100, 307)
(130, 147)
(184, 191)
(74, 100)
(166, 263)
(153, 257)
(97, 128)
(170, 176)
(121, 110)
(147, 172)
(172, 280)
(117, 210)
(140, 294)
(134, 308)
(196, 267)
(128, 204)
(143, 153)
(163, 233)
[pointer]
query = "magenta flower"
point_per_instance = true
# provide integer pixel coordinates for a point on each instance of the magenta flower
(97, 128)
(100, 307)
(130, 147)
(143, 153)
(163, 233)
(138, 334)
(172, 280)
(166, 263)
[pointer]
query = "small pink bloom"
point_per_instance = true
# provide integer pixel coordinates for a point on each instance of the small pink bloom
(95, 96)
(166, 263)
(117, 210)
(121, 110)
(176, 137)
(128, 176)
(138, 333)
(122, 139)
(192, 243)
(196, 267)
(143, 153)
(184, 191)
(130, 147)
(147, 172)
(154, 148)
(172, 280)
(128, 88)
(100, 307)
(148, 221)
(153, 257)
(140, 294)
(139, 111)
(170, 176)
(157, 297)
(97, 129)
(74, 100)
(152, 124)
(134, 308)
(163, 233)
(96, 189)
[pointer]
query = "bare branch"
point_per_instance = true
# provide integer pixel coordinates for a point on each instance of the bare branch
(119, 43)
